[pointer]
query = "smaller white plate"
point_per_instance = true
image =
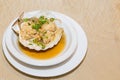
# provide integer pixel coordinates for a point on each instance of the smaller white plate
(71, 39)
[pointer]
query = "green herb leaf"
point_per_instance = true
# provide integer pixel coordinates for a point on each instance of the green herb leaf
(39, 43)
(52, 19)
(35, 41)
(36, 26)
(42, 19)
(25, 19)
(43, 46)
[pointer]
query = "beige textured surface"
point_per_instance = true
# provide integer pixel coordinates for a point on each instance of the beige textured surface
(100, 19)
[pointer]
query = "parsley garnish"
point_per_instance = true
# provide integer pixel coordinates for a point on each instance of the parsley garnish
(25, 19)
(36, 26)
(39, 43)
(52, 19)
(42, 20)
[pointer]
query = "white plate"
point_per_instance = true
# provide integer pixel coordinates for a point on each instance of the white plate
(12, 42)
(55, 70)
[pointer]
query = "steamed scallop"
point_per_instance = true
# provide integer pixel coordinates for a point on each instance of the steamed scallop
(39, 33)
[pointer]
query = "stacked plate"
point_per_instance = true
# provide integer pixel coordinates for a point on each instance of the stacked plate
(69, 58)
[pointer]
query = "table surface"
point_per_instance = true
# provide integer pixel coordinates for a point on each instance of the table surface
(100, 19)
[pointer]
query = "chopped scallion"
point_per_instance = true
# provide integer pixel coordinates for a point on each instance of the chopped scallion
(25, 19)
(52, 19)
(36, 26)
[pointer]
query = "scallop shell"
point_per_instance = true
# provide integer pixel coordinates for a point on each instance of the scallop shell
(57, 38)
(26, 43)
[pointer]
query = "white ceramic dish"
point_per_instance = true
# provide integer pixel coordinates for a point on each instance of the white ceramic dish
(71, 37)
(56, 70)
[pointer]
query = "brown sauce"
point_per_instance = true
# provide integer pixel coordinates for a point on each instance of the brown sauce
(50, 53)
